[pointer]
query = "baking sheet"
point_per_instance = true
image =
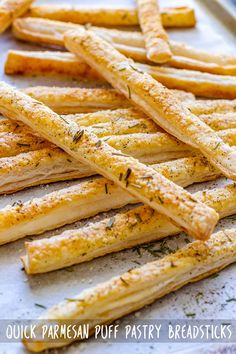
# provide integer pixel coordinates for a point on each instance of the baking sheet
(19, 293)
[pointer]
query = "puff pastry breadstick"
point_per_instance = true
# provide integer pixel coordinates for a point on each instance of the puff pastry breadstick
(141, 286)
(11, 9)
(170, 16)
(195, 217)
(155, 37)
(153, 98)
(52, 32)
(75, 99)
(89, 198)
(16, 138)
(53, 97)
(129, 229)
(61, 63)
(51, 165)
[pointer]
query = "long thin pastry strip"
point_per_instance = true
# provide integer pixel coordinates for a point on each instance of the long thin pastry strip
(62, 63)
(51, 165)
(16, 138)
(153, 98)
(66, 100)
(52, 32)
(131, 291)
(171, 16)
(155, 37)
(89, 198)
(11, 9)
(127, 172)
(129, 229)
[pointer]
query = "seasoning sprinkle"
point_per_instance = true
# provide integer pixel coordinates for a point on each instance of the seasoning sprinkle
(98, 143)
(41, 306)
(106, 188)
(120, 177)
(136, 69)
(78, 135)
(23, 144)
(161, 201)
(217, 145)
(123, 281)
(73, 300)
(127, 174)
(129, 91)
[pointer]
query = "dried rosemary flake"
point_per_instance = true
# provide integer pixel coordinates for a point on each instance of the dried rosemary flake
(129, 91)
(78, 135)
(217, 145)
(120, 177)
(147, 176)
(161, 201)
(98, 143)
(122, 69)
(23, 144)
(127, 174)
(41, 306)
(124, 281)
(106, 188)
(110, 222)
(136, 69)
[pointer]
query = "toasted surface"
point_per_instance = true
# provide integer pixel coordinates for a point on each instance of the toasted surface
(155, 37)
(129, 229)
(43, 31)
(131, 291)
(127, 172)
(170, 16)
(153, 98)
(11, 9)
(90, 198)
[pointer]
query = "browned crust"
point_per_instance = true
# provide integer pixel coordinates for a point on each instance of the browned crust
(10, 10)
(141, 286)
(129, 229)
(170, 16)
(127, 172)
(43, 31)
(153, 98)
(155, 37)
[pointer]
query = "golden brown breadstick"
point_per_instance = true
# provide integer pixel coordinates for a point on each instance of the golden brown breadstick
(75, 99)
(171, 16)
(66, 100)
(153, 98)
(11, 9)
(155, 37)
(127, 172)
(89, 198)
(129, 229)
(131, 291)
(61, 63)
(51, 165)
(52, 32)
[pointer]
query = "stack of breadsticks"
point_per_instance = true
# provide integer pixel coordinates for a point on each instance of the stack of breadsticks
(147, 135)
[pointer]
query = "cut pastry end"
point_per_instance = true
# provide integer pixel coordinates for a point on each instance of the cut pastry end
(160, 53)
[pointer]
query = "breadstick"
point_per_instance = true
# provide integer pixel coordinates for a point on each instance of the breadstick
(153, 98)
(170, 16)
(131, 291)
(52, 32)
(155, 37)
(88, 199)
(11, 9)
(61, 63)
(127, 172)
(51, 165)
(129, 229)
(66, 100)
(17, 138)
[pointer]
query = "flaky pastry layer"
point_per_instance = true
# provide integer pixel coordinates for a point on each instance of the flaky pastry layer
(131, 291)
(161, 194)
